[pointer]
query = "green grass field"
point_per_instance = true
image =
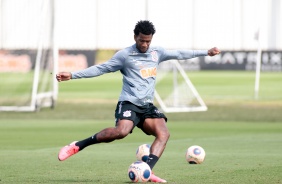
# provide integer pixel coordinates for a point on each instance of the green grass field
(242, 136)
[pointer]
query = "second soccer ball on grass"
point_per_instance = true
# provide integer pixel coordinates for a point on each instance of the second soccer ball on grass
(195, 154)
(143, 152)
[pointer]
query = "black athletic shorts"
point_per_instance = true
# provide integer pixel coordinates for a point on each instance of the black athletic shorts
(137, 114)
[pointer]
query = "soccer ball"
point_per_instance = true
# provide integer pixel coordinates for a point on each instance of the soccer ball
(195, 155)
(142, 152)
(139, 172)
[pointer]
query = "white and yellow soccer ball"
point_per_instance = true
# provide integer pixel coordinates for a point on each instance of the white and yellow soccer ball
(195, 154)
(139, 171)
(143, 152)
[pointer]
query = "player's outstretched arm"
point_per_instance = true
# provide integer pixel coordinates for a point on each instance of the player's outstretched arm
(213, 51)
(63, 76)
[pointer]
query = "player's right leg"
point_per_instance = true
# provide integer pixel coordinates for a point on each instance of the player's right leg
(122, 129)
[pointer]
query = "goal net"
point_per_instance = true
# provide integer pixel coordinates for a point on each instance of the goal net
(174, 90)
(28, 56)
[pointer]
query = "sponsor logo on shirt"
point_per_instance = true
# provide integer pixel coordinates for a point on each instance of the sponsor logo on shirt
(148, 72)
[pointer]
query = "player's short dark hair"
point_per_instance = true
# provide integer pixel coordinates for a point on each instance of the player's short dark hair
(145, 27)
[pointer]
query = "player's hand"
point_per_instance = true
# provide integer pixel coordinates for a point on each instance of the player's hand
(63, 76)
(213, 51)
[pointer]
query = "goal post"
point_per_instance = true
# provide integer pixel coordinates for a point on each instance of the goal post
(28, 56)
(175, 91)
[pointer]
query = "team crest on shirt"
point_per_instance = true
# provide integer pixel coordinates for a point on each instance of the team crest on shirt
(154, 55)
(127, 113)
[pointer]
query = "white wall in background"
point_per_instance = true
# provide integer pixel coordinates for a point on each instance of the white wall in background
(109, 24)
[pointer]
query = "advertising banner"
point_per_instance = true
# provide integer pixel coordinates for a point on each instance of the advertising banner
(23, 61)
(236, 60)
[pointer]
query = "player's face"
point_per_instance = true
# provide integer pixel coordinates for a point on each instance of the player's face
(143, 42)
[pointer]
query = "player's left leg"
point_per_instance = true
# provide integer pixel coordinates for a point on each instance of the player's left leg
(156, 127)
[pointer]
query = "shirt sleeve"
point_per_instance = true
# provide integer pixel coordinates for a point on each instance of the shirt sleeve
(182, 54)
(114, 64)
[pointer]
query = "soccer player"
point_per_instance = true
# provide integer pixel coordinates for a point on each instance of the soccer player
(138, 64)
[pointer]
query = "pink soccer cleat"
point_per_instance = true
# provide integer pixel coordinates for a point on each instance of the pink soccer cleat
(68, 151)
(156, 179)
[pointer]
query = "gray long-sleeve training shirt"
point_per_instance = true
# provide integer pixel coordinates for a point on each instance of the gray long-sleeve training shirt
(139, 70)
